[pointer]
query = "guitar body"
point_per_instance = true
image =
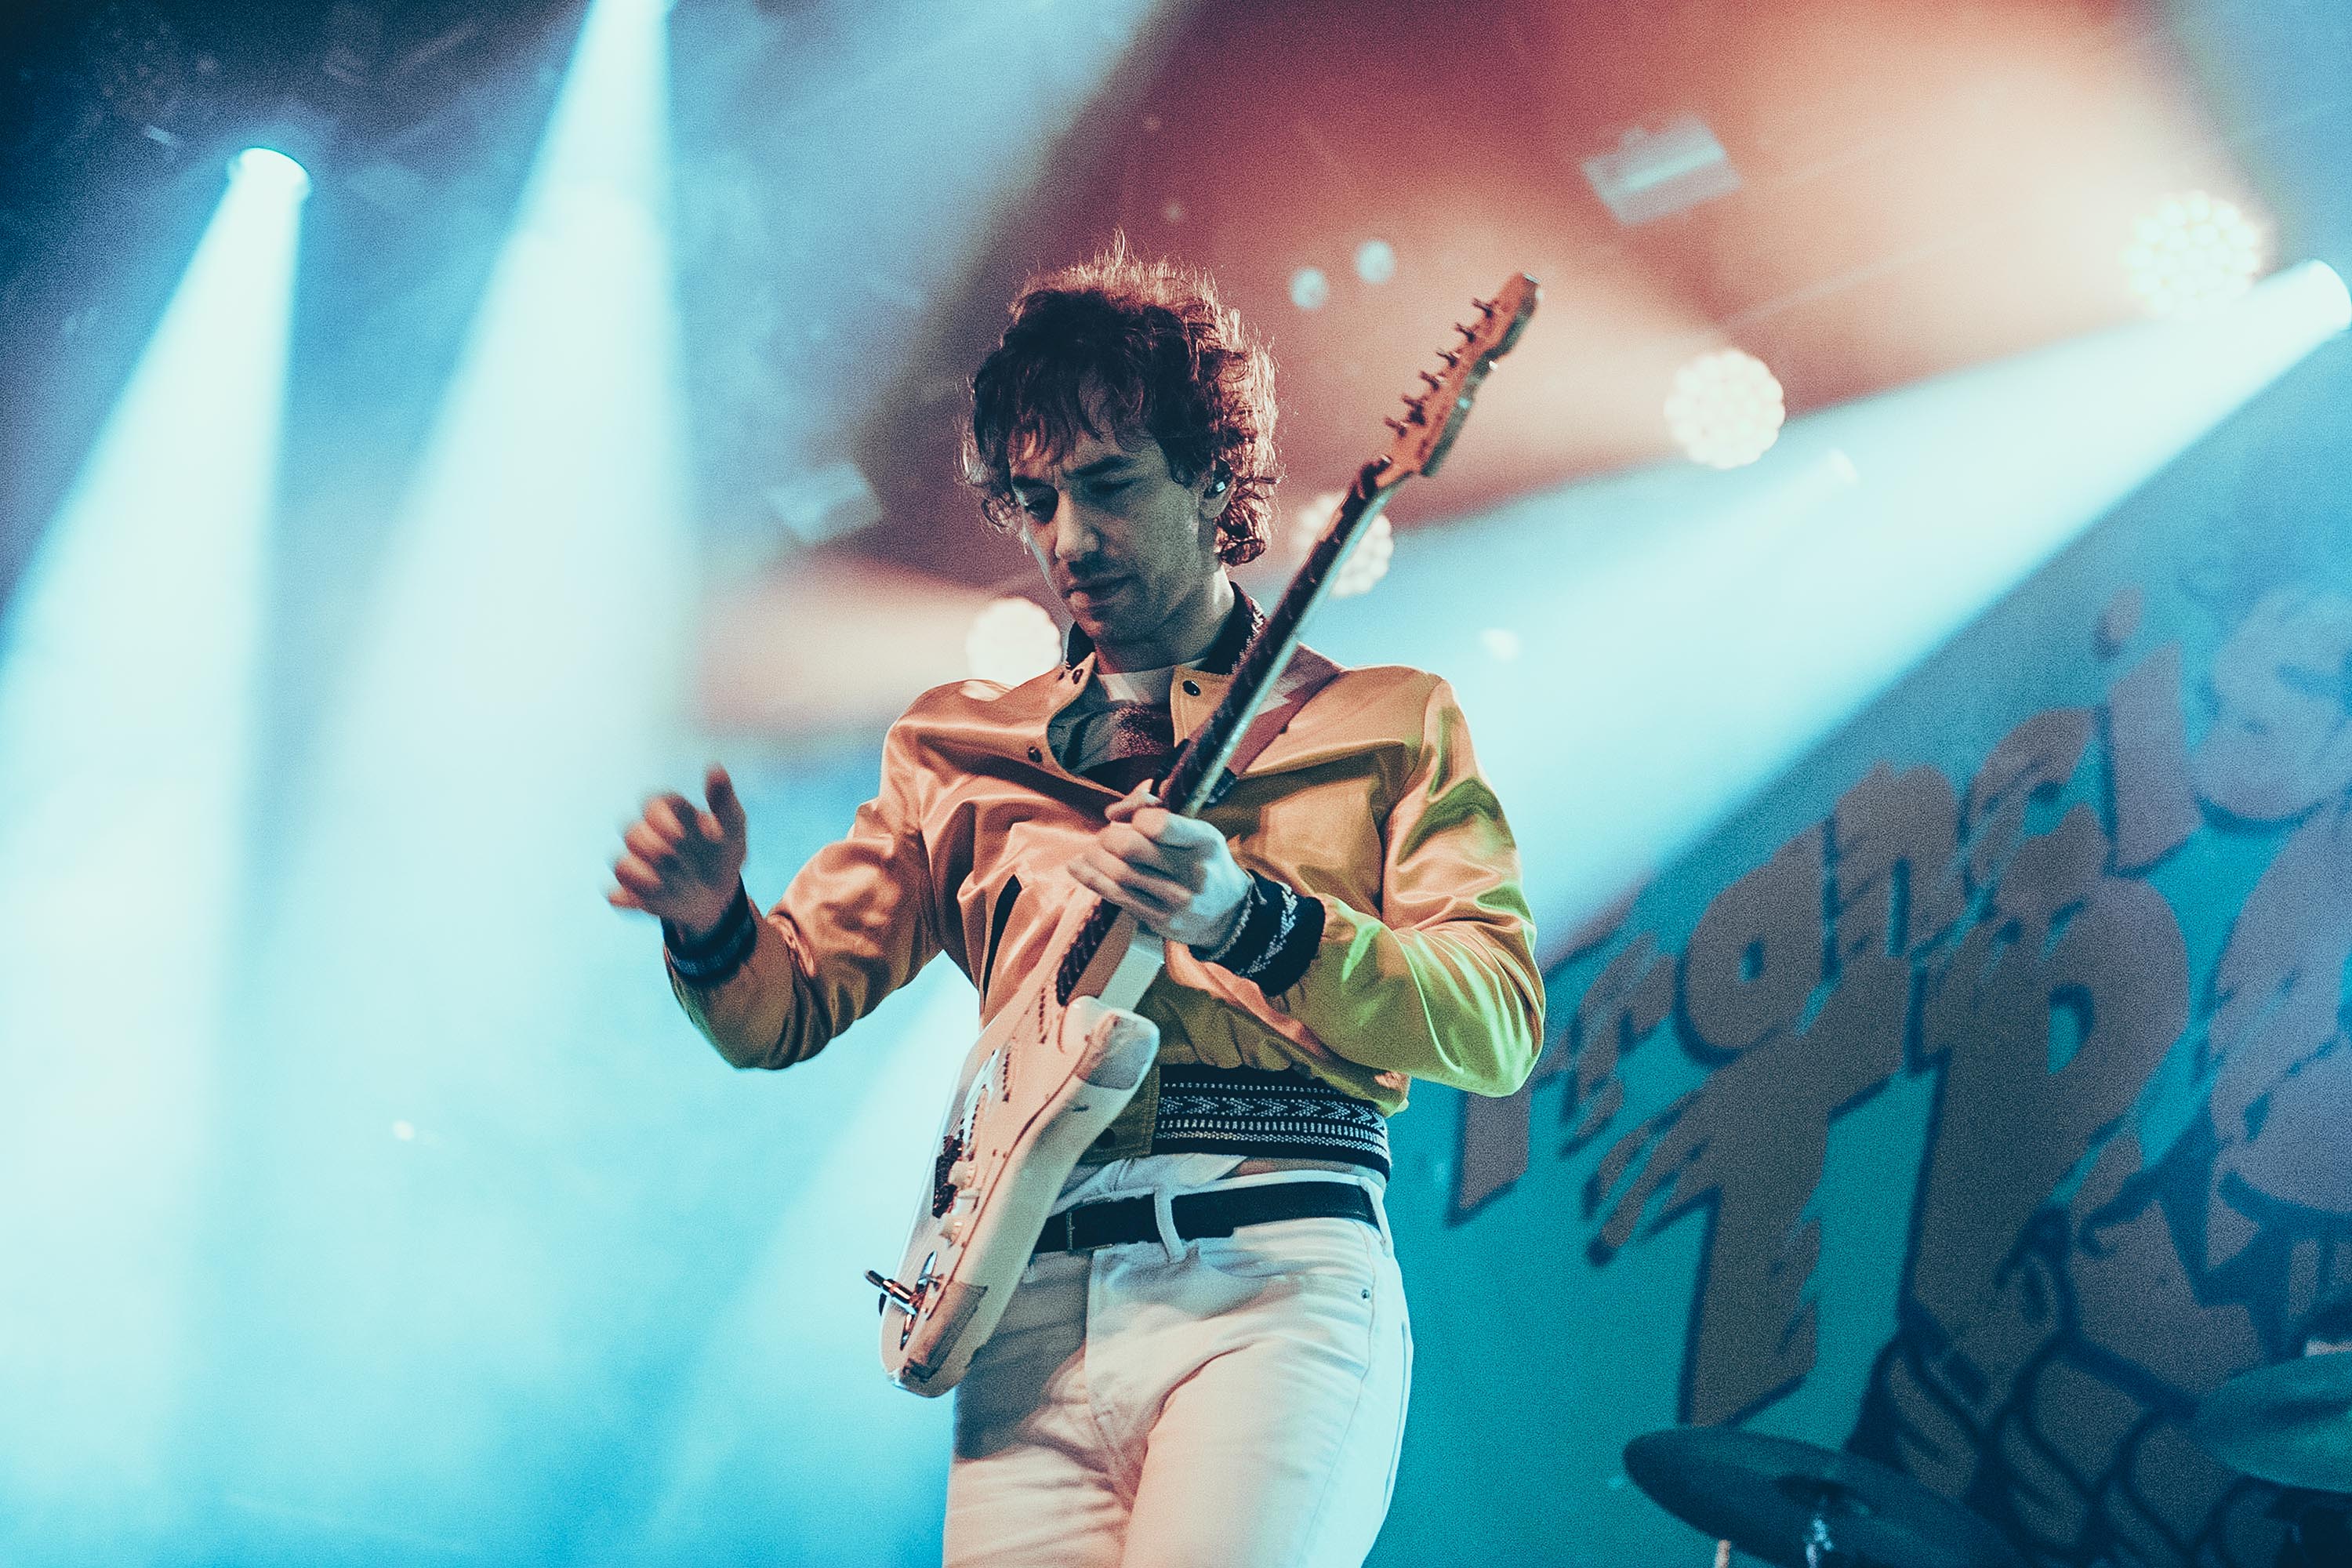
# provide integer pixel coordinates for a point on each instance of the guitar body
(1044, 1080)
(1066, 1053)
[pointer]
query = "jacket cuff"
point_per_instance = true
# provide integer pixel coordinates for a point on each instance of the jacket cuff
(713, 960)
(1276, 939)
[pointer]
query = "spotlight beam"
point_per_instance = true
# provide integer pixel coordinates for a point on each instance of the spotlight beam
(127, 717)
(442, 1039)
(1684, 637)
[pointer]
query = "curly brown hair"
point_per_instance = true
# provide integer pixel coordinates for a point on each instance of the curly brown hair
(1147, 348)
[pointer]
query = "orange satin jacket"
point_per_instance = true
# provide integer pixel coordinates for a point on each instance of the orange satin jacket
(1369, 801)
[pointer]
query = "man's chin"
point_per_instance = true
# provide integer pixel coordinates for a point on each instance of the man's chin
(1102, 623)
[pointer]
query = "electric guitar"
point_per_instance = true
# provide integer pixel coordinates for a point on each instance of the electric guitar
(1064, 1055)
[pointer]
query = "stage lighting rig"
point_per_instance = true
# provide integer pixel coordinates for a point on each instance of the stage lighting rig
(1653, 173)
(271, 170)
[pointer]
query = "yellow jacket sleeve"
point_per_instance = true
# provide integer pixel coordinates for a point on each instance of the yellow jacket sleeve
(854, 925)
(1442, 983)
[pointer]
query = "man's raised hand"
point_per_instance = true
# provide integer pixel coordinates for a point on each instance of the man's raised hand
(681, 862)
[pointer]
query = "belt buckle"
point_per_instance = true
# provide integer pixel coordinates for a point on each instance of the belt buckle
(1068, 1219)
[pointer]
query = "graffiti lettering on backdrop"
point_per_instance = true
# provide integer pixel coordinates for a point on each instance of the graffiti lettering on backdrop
(2068, 1295)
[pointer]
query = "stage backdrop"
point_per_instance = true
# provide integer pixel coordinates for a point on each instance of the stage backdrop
(1976, 1099)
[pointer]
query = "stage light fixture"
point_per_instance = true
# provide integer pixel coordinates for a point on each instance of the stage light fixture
(271, 170)
(1309, 289)
(2193, 252)
(1726, 409)
(1376, 261)
(133, 718)
(1653, 173)
(1012, 639)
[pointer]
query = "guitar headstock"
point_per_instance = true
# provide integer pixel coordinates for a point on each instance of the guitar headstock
(1433, 416)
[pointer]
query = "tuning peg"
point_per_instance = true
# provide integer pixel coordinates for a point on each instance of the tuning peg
(1399, 426)
(1450, 357)
(1468, 333)
(1430, 379)
(1486, 308)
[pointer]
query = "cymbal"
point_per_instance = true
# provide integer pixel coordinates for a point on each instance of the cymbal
(2290, 1422)
(1762, 1494)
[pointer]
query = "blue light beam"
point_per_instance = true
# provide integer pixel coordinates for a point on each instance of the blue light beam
(127, 720)
(451, 1068)
(1684, 637)
(812, 1404)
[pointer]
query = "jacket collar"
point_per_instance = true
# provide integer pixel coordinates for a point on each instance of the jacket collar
(1241, 623)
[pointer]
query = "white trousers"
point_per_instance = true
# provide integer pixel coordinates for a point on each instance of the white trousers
(1227, 1403)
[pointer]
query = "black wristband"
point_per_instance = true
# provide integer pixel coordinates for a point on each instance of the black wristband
(1277, 938)
(1232, 942)
(713, 958)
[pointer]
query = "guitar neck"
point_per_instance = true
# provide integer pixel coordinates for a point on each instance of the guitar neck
(1200, 764)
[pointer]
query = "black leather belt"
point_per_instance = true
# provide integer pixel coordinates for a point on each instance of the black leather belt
(1119, 1220)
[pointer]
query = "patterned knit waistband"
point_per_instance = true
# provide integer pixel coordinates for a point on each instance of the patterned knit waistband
(1269, 1115)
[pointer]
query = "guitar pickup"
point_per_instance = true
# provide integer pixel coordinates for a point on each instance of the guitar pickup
(943, 1172)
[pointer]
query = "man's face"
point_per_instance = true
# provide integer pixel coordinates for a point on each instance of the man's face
(1129, 549)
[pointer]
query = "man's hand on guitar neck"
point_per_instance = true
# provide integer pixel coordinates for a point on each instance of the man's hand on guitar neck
(681, 862)
(1173, 873)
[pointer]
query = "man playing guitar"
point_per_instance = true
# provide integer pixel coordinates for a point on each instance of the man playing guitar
(1207, 1360)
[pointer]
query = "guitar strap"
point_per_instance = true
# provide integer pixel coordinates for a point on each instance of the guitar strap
(1307, 673)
